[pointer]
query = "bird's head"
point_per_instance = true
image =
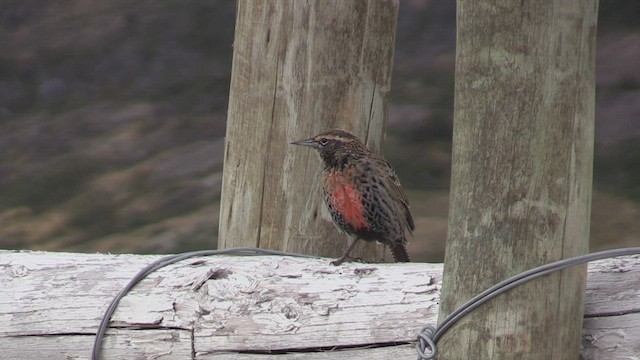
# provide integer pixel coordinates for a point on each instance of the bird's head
(335, 147)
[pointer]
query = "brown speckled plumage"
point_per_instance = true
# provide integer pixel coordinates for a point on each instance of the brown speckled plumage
(362, 192)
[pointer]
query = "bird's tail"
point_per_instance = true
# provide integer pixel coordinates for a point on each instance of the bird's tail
(399, 252)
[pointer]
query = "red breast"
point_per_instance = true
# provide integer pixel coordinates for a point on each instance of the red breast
(345, 199)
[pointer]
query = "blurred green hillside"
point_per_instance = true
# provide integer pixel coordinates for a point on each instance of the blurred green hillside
(112, 117)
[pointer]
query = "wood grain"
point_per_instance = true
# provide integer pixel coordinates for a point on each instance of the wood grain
(299, 67)
(521, 174)
(228, 307)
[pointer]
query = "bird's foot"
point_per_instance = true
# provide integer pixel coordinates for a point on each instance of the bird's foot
(346, 258)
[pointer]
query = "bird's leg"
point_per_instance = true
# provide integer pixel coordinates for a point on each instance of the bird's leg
(347, 254)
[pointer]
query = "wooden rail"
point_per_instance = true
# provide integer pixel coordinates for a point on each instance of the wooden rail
(230, 307)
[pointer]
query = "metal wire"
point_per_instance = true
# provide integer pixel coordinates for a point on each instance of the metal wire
(428, 338)
(160, 263)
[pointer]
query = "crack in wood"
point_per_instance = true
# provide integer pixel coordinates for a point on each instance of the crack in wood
(148, 327)
(364, 271)
(193, 344)
(52, 334)
(373, 97)
(266, 163)
(322, 348)
(612, 313)
(211, 274)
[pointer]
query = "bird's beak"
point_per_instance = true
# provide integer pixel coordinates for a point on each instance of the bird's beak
(307, 142)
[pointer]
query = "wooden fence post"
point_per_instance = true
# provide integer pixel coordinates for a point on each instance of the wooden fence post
(522, 170)
(299, 68)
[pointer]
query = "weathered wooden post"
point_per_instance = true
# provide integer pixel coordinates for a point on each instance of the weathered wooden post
(522, 169)
(299, 68)
(258, 307)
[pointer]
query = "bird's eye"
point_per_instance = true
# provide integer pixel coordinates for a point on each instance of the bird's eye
(324, 142)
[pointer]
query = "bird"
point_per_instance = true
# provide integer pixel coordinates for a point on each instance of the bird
(362, 193)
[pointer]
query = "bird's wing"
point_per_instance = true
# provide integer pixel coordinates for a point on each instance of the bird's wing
(396, 191)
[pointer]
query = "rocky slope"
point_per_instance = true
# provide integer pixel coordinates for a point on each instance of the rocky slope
(112, 122)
